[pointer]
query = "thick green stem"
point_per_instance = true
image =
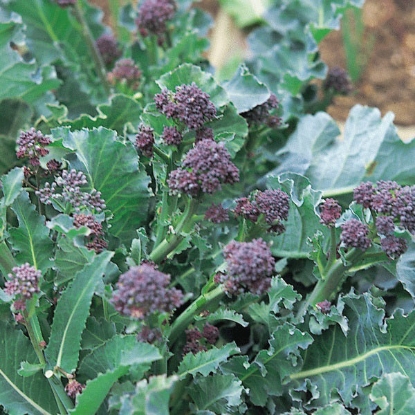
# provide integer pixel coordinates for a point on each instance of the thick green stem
(171, 242)
(329, 285)
(90, 42)
(200, 304)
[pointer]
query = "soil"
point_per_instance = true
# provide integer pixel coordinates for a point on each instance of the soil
(388, 77)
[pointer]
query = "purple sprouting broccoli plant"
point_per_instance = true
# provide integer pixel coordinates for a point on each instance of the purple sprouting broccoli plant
(66, 193)
(197, 341)
(272, 204)
(32, 145)
(143, 290)
(153, 16)
(22, 284)
(217, 214)
(204, 169)
(330, 211)
(95, 240)
(188, 105)
(355, 234)
(125, 74)
(249, 267)
(261, 114)
(144, 140)
(338, 80)
(172, 136)
(108, 48)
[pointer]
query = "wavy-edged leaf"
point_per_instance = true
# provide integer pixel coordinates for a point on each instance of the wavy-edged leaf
(31, 238)
(221, 394)
(206, 362)
(336, 165)
(266, 375)
(405, 269)
(11, 185)
(302, 221)
(71, 314)
(338, 367)
(394, 394)
(224, 314)
(120, 112)
(18, 394)
(118, 351)
(112, 168)
(20, 79)
(245, 91)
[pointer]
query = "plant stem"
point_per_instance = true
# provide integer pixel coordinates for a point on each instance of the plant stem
(90, 42)
(330, 284)
(170, 242)
(200, 304)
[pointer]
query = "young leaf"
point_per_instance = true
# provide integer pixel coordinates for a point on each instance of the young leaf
(206, 362)
(338, 366)
(31, 238)
(112, 168)
(12, 186)
(18, 394)
(220, 394)
(394, 394)
(71, 315)
(266, 375)
(150, 398)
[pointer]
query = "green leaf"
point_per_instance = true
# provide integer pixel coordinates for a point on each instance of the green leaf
(266, 375)
(112, 168)
(29, 369)
(96, 390)
(186, 74)
(219, 393)
(118, 351)
(150, 398)
(394, 394)
(20, 79)
(245, 91)
(405, 269)
(340, 367)
(12, 186)
(71, 314)
(31, 238)
(302, 221)
(18, 394)
(206, 362)
(335, 166)
(224, 314)
(122, 111)
(97, 332)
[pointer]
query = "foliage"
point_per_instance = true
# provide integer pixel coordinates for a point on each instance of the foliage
(172, 242)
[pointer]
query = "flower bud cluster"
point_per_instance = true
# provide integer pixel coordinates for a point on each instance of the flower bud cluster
(273, 204)
(338, 80)
(249, 265)
(32, 145)
(144, 140)
(391, 204)
(355, 234)
(125, 72)
(143, 290)
(189, 105)
(66, 190)
(153, 16)
(196, 340)
(74, 388)
(330, 211)
(95, 238)
(261, 114)
(23, 282)
(216, 214)
(205, 167)
(108, 48)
